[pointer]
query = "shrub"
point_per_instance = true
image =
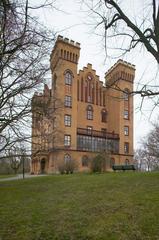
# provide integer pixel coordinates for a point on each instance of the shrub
(97, 164)
(100, 162)
(61, 168)
(67, 166)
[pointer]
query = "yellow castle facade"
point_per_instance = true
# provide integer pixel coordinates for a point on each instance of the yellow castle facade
(80, 116)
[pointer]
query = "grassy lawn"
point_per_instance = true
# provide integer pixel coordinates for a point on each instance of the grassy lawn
(113, 206)
(7, 175)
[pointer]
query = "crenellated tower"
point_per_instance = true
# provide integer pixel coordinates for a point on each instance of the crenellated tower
(63, 63)
(119, 83)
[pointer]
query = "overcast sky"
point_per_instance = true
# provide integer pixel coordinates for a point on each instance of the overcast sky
(72, 20)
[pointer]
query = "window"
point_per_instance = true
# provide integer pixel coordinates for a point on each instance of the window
(90, 112)
(89, 130)
(127, 162)
(85, 161)
(104, 115)
(126, 130)
(126, 147)
(67, 140)
(89, 99)
(96, 144)
(67, 120)
(68, 78)
(126, 94)
(68, 101)
(126, 114)
(67, 158)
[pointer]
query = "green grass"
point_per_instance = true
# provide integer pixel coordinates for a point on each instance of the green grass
(7, 175)
(112, 206)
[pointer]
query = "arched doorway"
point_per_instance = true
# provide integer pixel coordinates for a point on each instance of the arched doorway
(42, 165)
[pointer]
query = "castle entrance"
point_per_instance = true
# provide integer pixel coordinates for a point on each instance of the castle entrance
(43, 164)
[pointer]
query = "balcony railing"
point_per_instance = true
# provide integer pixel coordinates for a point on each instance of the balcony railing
(94, 133)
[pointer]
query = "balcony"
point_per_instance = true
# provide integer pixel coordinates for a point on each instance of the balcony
(100, 134)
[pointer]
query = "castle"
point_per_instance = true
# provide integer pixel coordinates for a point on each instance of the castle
(80, 116)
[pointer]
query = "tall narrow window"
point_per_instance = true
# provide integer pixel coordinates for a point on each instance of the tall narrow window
(126, 130)
(82, 89)
(78, 90)
(126, 94)
(126, 98)
(68, 101)
(89, 130)
(126, 147)
(100, 97)
(86, 91)
(96, 93)
(67, 140)
(89, 112)
(126, 114)
(104, 99)
(67, 120)
(68, 78)
(104, 115)
(93, 92)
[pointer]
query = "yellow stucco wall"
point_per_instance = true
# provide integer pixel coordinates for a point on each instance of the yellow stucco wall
(65, 57)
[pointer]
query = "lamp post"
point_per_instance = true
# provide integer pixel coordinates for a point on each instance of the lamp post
(23, 167)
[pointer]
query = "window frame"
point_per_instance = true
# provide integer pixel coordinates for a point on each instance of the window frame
(126, 94)
(126, 114)
(104, 115)
(89, 130)
(68, 101)
(126, 130)
(126, 147)
(68, 78)
(67, 120)
(89, 112)
(67, 140)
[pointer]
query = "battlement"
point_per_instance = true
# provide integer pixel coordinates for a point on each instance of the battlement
(124, 63)
(68, 41)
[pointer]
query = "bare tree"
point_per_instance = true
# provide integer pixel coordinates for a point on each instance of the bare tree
(45, 110)
(147, 157)
(25, 45)
(117, 25)
(15, 159)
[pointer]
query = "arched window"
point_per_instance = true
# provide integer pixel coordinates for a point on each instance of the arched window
(67, 158)
(61, 52)
(68, 78)
(89, 112)
(104, 115)
(67, 55)
(126, 94)
(85, 161)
